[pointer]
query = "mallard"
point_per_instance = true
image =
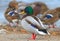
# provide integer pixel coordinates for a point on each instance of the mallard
(32, 23)
(50, 17)
(11, 13)
(39, 8)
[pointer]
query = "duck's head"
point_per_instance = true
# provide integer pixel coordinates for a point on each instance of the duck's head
(27, 11)
(13, 4)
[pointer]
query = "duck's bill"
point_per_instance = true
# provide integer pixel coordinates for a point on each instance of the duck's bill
(22, 13)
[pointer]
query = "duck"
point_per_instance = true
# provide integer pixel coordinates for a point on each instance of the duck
(39, 8)
(11, 14)
(50, 17)
(32, 23)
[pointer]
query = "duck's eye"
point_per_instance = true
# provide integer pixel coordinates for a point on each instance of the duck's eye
(48, 16)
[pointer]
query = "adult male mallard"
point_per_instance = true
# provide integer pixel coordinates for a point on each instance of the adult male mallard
(33, 24)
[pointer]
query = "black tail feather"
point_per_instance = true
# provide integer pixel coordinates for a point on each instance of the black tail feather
(43, 30)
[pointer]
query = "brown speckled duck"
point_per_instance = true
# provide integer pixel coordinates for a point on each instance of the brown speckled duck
(39, 8)
(50, 17)
(11, 13)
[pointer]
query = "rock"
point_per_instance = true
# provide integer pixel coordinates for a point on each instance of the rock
(3, 31)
